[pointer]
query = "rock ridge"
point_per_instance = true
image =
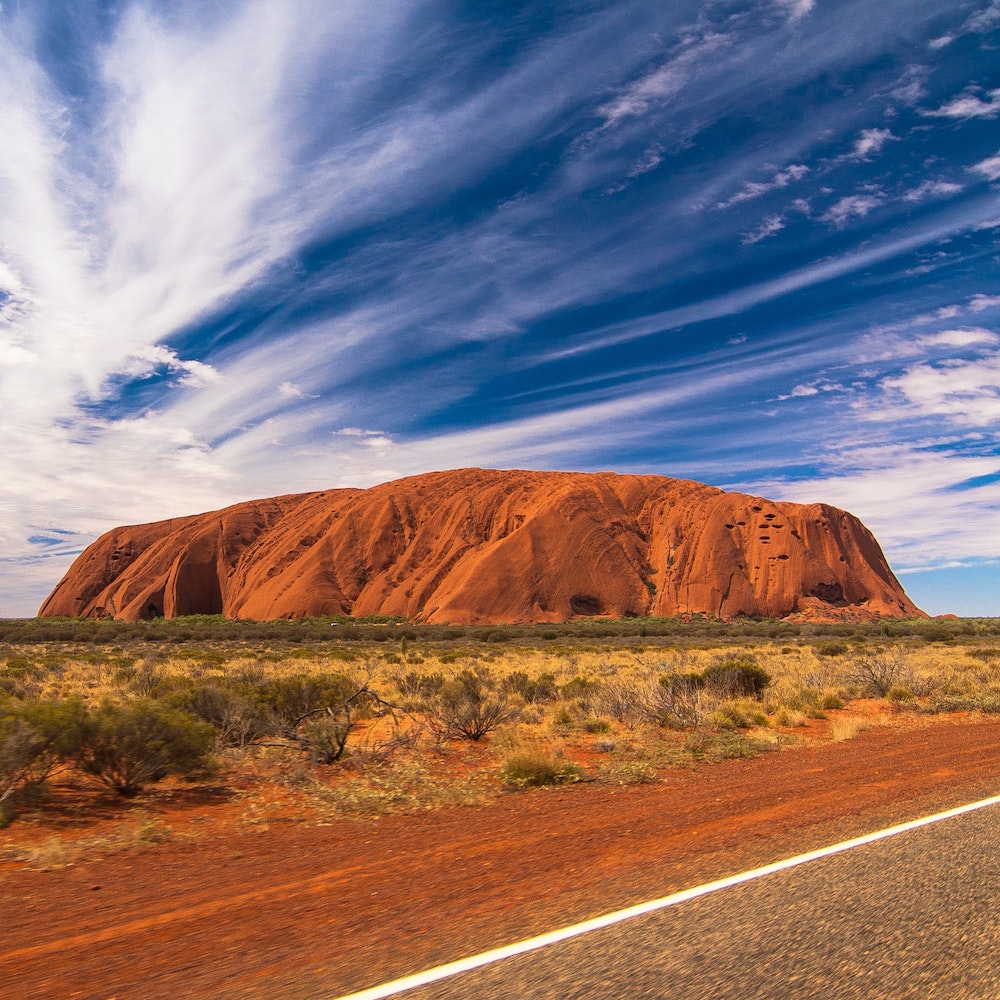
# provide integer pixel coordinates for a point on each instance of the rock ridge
(475, 546)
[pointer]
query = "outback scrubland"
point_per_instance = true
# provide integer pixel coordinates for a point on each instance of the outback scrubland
(315, 720)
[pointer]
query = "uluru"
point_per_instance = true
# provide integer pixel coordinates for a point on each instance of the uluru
(475, 546)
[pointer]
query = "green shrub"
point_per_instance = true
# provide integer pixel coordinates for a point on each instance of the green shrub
(237, 717)
(535, 768)
(531, 689)
(713, 747)
(736, 676)
(34, 738)
(128, 746)
(292, 698)
(20, 747)
(831, 649)
(469, 706)
(577, 687)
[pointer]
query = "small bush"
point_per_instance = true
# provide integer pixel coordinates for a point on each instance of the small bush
(736, 676)
(677, 701)
(531, 689)
(980, 701)
(469, 707)
(578, 688)
(789, 718)
(876, 671)
(129, 746)
(34, 738)
(831, 649)
(535, 768)
(20, 747)
(712, 748)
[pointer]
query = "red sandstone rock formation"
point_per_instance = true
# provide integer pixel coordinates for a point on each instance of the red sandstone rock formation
(482, 546)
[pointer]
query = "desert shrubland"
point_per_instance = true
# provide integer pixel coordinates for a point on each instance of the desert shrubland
(362, 713)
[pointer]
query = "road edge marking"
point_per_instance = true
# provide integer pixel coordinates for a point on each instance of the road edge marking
(440, 972)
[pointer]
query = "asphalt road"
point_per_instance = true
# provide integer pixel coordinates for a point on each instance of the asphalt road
(916, 915)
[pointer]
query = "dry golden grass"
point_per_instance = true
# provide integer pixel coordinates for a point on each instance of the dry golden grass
(583, 701)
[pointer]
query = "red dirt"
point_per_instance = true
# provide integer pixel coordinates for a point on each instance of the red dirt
(301, 911)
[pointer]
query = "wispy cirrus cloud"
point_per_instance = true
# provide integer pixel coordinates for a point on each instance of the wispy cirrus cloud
(871, 142)
(230, 234)
(852, 206)
(989, 168)
(932, 189)
(969, 105)
(795, 9)
(769, 227)
(755, 189)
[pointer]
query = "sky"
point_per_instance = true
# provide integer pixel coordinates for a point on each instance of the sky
(255, 248)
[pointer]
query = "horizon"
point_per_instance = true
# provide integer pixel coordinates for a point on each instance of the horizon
(262, 249)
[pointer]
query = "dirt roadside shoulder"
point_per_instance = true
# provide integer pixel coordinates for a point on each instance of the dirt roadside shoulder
(298, 911)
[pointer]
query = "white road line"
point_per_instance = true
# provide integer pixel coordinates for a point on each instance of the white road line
(596, 923)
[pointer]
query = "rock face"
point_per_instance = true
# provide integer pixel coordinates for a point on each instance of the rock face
(481, 546)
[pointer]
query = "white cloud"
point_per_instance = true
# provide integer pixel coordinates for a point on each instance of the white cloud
(986, 19)
(966, 392)
(146, 361)
(871, 142)
(969, 105)
(932, 189)
(968, 337)
(989, 168)
(851, 206)
(755, 189)
(290, 390)
(980, 302)
(799, 392)
(795, 9)
(664, 82)
(771, 225)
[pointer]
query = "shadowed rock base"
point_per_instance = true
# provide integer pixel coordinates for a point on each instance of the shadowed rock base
(483, 546)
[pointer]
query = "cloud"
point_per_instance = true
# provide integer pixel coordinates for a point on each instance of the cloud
(755, 189)
(968, 105)
(984, 20)
(795, 9)
(290, 390)
(771, 225)
(932, 189)
(966, 392)
(968, 337)
(147, 361)
(871, 142)
(980, 302)
(799, 391)
(851, 206)
(989, 168)
(663, 82)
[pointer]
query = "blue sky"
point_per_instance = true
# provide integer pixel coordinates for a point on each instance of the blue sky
(251, 248)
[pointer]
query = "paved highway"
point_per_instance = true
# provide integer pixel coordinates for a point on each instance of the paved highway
(913, 915)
